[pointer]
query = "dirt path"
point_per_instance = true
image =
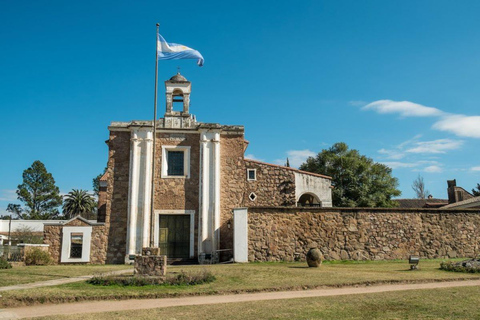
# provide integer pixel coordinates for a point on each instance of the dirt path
(56, 282)
(105, 306)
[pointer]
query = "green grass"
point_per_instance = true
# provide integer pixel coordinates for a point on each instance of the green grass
(254, 277)
(20, 275)
(452, 303)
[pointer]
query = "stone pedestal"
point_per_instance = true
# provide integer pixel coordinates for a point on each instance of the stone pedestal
(150, 263)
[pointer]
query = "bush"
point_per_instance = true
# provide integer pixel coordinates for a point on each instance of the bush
(37, 257)
(467, 266)
(4, 264)
(182, 278)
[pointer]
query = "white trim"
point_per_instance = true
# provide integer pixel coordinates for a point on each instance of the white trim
(66, 243)
(248, 175)
(186, 161)
(179, 212)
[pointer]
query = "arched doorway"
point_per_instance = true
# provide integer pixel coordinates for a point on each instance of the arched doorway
(308, 200)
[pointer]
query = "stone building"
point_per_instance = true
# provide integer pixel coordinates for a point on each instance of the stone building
(200, 176)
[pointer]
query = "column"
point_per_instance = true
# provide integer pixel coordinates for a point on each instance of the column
(132, 195)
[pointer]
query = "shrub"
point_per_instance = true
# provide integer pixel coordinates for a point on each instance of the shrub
(468, 266)
(37, 257)
(4, 264)
(182, 278)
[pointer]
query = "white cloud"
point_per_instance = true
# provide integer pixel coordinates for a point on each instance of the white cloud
(8, 195)
(357, 103)
(435, 146)
(252, 157)
(392, 154)
(433, 169)
(461, 125)
(404, 108)
(295, 157)
(475, 168)
(398, 165)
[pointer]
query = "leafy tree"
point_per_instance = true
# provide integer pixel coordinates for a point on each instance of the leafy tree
(358, 180)
(419, 187)
(16, 210)
(39, 194)
(476, 192)
(96, 182)
(79, 202)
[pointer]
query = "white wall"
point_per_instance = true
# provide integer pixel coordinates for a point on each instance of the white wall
(36, 225)
(240, 235)
(320, 187)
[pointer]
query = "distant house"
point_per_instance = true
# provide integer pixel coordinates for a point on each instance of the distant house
(458, 198)
(430, 202)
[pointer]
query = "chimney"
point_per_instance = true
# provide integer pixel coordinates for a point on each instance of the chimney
(451, 190)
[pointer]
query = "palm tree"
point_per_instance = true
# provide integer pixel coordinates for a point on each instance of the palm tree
(79, 202)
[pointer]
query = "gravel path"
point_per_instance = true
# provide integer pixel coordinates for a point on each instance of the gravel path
(134, 304)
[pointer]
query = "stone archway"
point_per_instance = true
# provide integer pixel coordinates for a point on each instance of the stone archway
(308, 200)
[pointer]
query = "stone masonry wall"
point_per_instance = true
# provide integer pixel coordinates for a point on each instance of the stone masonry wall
(232, 181)
(117, 195)
(179, 193)
(98, 246)
(275, 185)
(275, 234)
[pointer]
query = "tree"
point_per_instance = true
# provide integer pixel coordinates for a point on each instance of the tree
(38, 193)
(16, 210)
(358, 180)
(25, 234)
(419, 187)
(79, 202)
(476, 192)
(96, 182)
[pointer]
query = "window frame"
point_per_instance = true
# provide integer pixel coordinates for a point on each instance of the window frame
(186, 161)
(248, 174)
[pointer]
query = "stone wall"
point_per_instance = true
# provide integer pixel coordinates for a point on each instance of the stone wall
(232, 181)
(275, 234)
(274, 186)
(52, 235)
(117, 195)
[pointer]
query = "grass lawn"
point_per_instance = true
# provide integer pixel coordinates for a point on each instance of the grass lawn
(19, 275)
(253, 277)
(452, 303)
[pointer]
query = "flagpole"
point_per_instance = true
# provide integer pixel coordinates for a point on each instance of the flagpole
(154, 122)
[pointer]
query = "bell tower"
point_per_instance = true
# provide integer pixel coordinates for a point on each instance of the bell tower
(177, 113)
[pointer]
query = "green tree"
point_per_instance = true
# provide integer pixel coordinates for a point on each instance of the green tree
(358, 180)
(39, 194)
(96, 182)
(79, 202)
(476, 190)
(16, 210)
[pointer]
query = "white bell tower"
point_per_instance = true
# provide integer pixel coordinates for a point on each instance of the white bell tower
(177, 91)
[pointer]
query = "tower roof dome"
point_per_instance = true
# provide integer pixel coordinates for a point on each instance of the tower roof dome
(178, 78)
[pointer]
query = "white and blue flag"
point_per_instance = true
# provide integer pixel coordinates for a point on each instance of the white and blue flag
(172, 51)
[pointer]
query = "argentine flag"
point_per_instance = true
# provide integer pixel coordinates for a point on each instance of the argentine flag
(173, 51)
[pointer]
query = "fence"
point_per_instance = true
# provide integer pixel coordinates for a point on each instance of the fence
(12, 253)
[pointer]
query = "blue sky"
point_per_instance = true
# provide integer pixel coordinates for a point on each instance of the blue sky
(397, 80)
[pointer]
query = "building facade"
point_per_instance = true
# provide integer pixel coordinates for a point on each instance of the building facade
(200, 175)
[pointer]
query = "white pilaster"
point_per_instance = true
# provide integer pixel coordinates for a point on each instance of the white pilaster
(147, 194)
(139, 196)
(209, 215)
(132, 195)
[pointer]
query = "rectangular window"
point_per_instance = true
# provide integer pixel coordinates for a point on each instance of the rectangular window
(251, 174)
(175, 160)
(76, 245)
